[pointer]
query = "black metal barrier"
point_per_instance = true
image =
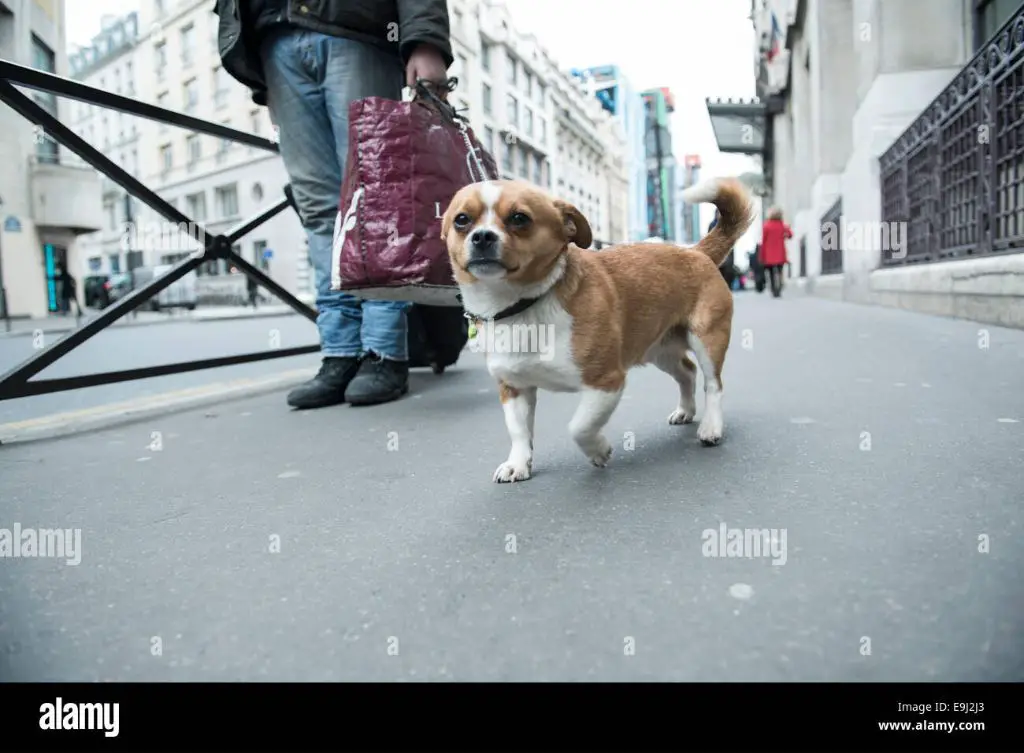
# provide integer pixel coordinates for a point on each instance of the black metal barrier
(18, 381)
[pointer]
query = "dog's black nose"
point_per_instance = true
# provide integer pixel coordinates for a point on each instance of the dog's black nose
(483, 238)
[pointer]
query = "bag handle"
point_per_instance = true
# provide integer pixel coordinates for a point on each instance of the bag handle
(425, 94)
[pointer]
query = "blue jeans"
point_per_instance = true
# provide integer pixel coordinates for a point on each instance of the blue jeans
(311, 79)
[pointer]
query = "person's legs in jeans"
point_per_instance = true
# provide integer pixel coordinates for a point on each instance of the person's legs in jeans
(311, 78)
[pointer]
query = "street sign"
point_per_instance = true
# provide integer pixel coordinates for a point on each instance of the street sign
(268, 254)
(12, 225)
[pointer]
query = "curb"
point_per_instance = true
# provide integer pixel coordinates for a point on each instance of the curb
(105, 416)
(170, 320)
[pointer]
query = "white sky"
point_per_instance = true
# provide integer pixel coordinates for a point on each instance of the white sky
(697, 48)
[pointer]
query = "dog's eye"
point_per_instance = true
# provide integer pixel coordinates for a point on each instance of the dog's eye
(518, 219)
(461, 221)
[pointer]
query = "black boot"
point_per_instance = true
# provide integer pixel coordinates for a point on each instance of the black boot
(328, 386)
(378, 381)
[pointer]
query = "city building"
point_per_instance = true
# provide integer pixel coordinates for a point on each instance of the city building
(613, 90)
(48, 197)
(173, 62)
(889, 146)
(540, 122)
(688, 224)
(660, 163)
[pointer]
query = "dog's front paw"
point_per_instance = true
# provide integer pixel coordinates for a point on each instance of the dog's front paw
(681, 416)
(709, 432)
(509, 472)
(601, 453)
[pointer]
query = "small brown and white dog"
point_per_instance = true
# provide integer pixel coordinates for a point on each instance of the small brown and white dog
(516, 255)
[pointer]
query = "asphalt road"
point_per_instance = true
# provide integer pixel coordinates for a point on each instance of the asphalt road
(903, 545)
(130, 347)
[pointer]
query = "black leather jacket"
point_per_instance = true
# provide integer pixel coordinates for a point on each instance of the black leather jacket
(377, 22)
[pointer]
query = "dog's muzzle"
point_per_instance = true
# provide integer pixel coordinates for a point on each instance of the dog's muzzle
(484, 258)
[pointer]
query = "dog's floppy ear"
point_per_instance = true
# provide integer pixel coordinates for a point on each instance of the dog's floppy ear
(446, 220)
(577, 229)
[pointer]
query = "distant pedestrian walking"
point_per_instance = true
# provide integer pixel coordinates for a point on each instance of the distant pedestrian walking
(253, 290)
(773, 248)
(67, 292)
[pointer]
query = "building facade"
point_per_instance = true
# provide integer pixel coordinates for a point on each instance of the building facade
(688, 225)
(889, 129)
(660, 163)
(536, 120)
(615, 93)
(173, 62)
(48, 197)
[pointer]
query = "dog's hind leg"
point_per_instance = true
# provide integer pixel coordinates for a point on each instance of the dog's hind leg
(710, 348)
(677, 364)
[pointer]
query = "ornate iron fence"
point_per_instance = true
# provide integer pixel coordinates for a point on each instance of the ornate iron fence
(18, 382)
(832, 239)
(956, 175)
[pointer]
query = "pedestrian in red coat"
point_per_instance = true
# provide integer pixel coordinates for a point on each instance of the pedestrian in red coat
(773, 255)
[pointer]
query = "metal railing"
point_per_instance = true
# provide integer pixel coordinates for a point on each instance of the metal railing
(956, 175)
(832, 239)
(18, 382)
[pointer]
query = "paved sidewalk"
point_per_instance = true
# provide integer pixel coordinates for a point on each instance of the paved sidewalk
(60, 324)
(248, 542)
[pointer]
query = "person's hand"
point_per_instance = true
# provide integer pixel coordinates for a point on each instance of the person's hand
(427, 63)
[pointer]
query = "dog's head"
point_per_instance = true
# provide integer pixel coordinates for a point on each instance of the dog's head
(509, 230)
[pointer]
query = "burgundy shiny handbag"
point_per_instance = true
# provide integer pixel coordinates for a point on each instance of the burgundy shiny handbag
(406, 160)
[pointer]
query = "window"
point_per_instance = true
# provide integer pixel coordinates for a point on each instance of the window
(190, 95)
(258, 247)
(463, 73)
(512, 66)
(160, 52)
(540, 90)
(488, 101)
(223, 145)
(110, 213)
(192, 150)
(188, 44)
(506, 156)
(221, 87)
(43, 59)
(162, 101)
(524, 162)
(528, 121)
(195, 206)
(528, 84)
(166, 158)
(489, 139)
(511, 110)
(226, 198)
(538, 170)
(485, 56)
(115, 263)
(542, 128)
(989, 16)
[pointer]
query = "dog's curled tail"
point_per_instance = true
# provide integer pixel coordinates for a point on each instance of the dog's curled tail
(735, 214)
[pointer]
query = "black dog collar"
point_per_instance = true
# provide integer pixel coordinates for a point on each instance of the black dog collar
(516, 308)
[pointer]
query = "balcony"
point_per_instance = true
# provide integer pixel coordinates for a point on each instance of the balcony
(65, 196)
(956, 175)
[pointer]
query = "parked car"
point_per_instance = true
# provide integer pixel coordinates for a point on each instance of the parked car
(94, 291)
(179, 294)
(118, 286)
